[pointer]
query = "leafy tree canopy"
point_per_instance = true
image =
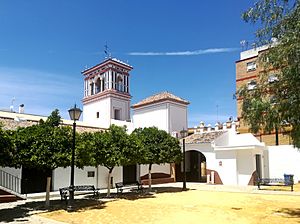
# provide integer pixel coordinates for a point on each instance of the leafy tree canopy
(6, 148)
(157, 146)
(85, 149)
(54, 119)
(43, 146)
(114, 148)
(275, 102)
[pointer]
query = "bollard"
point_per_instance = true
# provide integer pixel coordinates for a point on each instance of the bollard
(212, 177)
(207, 178)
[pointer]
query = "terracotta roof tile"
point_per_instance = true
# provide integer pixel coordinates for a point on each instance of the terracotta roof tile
(206, 137)
(160, 97)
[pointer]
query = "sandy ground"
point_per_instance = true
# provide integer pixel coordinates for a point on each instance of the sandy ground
(170, 205)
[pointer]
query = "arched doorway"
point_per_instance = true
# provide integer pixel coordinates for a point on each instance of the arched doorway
(195, 165)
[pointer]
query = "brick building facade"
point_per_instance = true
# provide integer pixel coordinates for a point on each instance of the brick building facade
(247, 73)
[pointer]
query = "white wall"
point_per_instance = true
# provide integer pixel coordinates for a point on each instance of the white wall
(123, 105)
(149, 116)
(90, 110)
(284, 159)
(228, 170)
(178, 117)
(105, 107)
(168, 116)
(207, 151)
(61, 177)
(163, 168)
(245, 166)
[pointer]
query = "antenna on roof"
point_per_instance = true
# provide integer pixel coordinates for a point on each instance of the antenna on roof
(11, 108)
(217, 112)
(244, 44)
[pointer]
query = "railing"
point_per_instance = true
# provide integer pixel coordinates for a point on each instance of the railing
(10, 181)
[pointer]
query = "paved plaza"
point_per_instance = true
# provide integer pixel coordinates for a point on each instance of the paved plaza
(167, 204)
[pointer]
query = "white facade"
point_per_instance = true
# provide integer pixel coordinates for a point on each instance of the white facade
(163, 168)
(106, 93)
(232, 157)
(61, 177)
(101, 112)
(282, 159)
(103, 108)
(167, 115)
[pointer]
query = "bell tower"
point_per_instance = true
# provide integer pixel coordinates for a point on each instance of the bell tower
(106, 93)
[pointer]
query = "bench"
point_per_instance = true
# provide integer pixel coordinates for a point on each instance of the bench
(287, 181)
(121, 186)
(64, 192)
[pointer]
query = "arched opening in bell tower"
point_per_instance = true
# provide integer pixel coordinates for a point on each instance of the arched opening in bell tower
(120, 83)
(92, 88)
(98, 85)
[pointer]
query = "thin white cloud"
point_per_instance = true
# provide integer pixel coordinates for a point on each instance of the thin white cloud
(40, 91)
(185, 53)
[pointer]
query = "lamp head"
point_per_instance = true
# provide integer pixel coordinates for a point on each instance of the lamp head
(183, 133)
(75, 113)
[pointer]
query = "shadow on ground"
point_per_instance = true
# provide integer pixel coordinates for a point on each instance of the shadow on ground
(147, 194)
(21, 212)
(290, 212)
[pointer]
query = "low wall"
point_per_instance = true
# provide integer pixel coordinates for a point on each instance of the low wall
(284, 159)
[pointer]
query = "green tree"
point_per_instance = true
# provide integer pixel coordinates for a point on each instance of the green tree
(275, 103)
(44, 146)
(54, 119)
(85, 149)
(158, 147)
(6, 148)
(112, 148)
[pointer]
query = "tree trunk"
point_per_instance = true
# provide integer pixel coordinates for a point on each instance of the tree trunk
(149, 177)
(48, 191)
(108, 182)
(276, 136)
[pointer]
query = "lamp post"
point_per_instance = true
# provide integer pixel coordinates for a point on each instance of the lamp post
(183, 134)
(74, 115)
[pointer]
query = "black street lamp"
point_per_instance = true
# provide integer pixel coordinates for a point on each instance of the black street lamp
(183, 134)
(74, 115)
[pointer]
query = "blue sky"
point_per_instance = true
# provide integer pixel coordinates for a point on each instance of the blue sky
(188, 48)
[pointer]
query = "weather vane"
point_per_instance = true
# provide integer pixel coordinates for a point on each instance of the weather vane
(108, 55)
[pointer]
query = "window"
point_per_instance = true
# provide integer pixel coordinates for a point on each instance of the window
(117, 114)
(97, 114)
(251, 66)
(98, 85)
(91, 173)
(92, 88)
(272, 78)
(252, 85)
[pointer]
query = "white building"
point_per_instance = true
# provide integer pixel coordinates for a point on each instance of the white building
(106, 101)
(223, 156)
(163, 110)
(106, 94)
(218, 155)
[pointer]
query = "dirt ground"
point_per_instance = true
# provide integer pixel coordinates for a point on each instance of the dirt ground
(193, 206)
